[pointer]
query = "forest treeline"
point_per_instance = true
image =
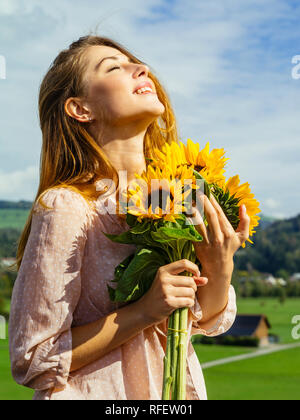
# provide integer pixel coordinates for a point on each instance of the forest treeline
(22, 204)
(276, 249)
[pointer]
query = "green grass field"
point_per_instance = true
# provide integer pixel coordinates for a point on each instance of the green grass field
(9, 389)
(13, 218)
(269, 377)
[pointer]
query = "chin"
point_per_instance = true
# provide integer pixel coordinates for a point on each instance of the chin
(160, 109)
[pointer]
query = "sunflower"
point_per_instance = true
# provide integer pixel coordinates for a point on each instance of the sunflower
(210, 165)
(231, 195)
(156, 194)
(171, 156)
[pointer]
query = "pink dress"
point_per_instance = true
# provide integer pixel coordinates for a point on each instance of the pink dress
(62, 283)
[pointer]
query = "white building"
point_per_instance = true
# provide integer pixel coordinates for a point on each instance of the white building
(6, 262)
(295, 277)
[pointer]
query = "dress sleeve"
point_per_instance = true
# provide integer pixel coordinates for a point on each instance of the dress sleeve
(224, 322)
(46, 292)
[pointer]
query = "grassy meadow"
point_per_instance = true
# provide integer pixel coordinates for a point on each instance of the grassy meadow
(270, 377)
(9, 389)
(13, 218)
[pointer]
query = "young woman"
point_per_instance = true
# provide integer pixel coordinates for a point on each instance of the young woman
(68, 341)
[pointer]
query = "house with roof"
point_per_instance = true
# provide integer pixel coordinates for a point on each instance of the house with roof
(255, 326)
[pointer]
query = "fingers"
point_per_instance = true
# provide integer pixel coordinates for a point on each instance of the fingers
(183, 265)
(244, 225)
(194, 282)
(199, 224)
(183, 291)
(213, 221)
(226, 226)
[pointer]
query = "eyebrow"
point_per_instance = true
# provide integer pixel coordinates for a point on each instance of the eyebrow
(108, 58)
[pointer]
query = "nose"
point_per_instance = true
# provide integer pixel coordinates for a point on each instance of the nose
(141, 69)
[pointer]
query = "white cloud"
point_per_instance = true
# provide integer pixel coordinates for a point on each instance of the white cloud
(19, 185)
(8, 7)
(271, 203)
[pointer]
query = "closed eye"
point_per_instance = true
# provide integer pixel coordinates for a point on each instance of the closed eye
(113, 69)
(129, 60)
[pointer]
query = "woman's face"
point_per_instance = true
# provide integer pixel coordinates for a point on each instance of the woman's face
(111, 83)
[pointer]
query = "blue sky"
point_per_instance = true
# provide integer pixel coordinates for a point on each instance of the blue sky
(226, 64)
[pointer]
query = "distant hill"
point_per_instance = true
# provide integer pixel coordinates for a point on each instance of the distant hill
(266, 221)
(24, 205)
(276, 248)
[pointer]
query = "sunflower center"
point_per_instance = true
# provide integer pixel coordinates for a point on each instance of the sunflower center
(158, 198)
(199, 168)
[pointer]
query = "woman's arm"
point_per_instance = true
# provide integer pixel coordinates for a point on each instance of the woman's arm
(94, 340)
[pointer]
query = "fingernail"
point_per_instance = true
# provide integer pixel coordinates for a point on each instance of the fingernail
(200, 281)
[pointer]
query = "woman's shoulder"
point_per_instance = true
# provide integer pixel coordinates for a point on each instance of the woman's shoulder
(62, 199)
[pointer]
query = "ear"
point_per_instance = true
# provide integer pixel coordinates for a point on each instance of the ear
(75, 109)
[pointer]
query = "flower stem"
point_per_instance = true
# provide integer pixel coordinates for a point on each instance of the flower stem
(167, 378)
(180, 391)
(174, 378)
(182, 356)
(175, 343)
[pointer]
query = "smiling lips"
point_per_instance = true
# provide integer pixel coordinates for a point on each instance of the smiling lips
(145, 87)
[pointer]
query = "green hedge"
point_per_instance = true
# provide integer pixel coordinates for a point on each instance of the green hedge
(227, 340)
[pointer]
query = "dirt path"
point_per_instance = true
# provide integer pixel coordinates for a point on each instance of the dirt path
(258, 353)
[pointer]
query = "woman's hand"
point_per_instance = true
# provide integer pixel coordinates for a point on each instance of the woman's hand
(221, 241)
(215, 253)
(170, 290)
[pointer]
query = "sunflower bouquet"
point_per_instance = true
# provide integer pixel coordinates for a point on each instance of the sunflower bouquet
(158, 207)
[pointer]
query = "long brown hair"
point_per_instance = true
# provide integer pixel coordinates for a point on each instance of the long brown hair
(70, 157)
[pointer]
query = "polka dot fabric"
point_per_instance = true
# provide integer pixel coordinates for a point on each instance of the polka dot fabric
(62, 283)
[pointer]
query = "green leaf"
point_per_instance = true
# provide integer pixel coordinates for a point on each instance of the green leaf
(165, 234)
(131, 220)
(138, 276)
(111, 293)
(123, 238)
(141, 228)
(120, 269)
